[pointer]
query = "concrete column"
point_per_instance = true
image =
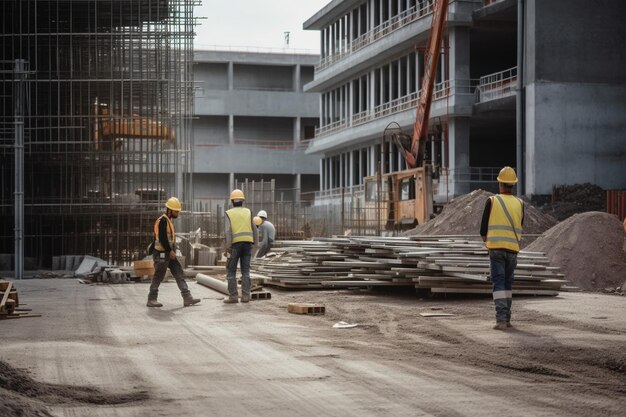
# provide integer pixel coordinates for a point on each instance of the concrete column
(298, 187)
(361, 167)
(350, 102)
(341, 171)
(231, 76)
(231, 181)
(296, 131)
(372, 91)
(322, 176)
(351, 170)
(459, 153)
(459, 53)
(231, 129)
(296, 79)
(373, 166)
(331, 173)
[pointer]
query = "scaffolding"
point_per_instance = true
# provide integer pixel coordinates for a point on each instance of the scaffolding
(107, 123)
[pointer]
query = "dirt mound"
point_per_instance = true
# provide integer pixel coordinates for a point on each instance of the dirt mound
(589, 249)
(578, 198)
(462, 216)
(27, 397)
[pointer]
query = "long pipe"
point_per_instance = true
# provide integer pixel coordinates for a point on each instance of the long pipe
(213, 283)
(519, 100)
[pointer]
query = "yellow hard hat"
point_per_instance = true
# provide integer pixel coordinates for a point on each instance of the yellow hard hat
(257, 220)
(173, 204)
(237, 195)
(507, 176)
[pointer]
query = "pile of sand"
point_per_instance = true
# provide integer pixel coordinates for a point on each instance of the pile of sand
(462, 216)
(588, 247)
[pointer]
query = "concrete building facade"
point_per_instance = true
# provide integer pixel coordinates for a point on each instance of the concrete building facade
(252, 119)
(573, 111)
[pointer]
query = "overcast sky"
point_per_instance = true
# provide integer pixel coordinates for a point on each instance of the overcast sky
(257, 23)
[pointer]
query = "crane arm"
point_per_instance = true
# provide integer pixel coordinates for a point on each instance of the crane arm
(415, 153)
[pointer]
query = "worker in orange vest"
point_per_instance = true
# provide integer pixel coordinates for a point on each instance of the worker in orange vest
(164, 255)
(501, 230)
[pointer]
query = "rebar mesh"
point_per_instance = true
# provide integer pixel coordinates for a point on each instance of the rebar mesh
(107, 125)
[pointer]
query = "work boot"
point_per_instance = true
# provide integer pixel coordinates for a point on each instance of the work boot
(188, 300)
(230, 300)
(500, 325)
(508, 324)
(245, 298)
(152, 302)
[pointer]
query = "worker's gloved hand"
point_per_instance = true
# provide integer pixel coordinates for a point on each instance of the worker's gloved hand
(172, 255)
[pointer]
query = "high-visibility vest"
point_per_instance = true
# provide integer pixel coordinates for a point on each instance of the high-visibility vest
(171, 234)
(505, 222)
(240, 224)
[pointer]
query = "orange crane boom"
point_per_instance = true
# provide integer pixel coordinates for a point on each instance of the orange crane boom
(414, 154)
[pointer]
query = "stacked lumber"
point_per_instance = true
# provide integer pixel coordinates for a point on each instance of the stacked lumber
(440, 264)
(10, 302)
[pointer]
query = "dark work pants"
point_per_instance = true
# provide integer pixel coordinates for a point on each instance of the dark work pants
(160, 268)
(503, 265)
(242, 252)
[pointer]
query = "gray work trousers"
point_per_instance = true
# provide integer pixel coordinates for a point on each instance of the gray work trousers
(242, 252)
(160, 268)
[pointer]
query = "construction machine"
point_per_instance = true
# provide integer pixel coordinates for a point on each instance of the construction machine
(109, 129)
(110, 132)
(410, 192)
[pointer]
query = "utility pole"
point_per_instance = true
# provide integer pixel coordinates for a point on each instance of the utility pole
(20, 99)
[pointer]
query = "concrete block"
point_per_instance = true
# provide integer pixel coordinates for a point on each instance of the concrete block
(6, 261)
(56, 262)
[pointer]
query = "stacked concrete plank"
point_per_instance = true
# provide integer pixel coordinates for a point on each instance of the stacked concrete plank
(440, 264)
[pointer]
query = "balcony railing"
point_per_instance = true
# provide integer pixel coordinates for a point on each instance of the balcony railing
(260, 143)
(396, 22)
(497, 85)
(442, 90)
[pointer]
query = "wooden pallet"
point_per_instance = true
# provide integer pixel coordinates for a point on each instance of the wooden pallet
(306, 308)
(9, 303)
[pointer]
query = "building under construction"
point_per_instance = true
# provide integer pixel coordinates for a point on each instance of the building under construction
(104, 90)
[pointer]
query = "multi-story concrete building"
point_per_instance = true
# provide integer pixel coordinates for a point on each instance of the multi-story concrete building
(573, 111)
(252, 118)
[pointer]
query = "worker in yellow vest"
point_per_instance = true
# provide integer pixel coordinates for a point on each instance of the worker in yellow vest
(501, 230)
(241, 234)
(164, 255)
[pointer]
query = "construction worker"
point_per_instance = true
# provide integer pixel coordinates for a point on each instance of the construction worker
(268, 234)
(164, 255)
(501, 230)
(241, 235)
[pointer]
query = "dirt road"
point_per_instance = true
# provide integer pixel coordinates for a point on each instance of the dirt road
(565, 357)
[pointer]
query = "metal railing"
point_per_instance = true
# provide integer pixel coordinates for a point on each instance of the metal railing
(332, 127)
(260, 143)
(497, 85)
(389, 26)
(409, 101)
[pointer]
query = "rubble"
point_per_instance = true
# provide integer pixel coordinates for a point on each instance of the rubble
(568, 200)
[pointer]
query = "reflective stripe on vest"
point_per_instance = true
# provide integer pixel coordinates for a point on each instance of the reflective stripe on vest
(240, 224)
(171, 234)
(505, 210)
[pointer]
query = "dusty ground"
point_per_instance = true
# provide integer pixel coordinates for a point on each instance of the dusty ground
(565, 357)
